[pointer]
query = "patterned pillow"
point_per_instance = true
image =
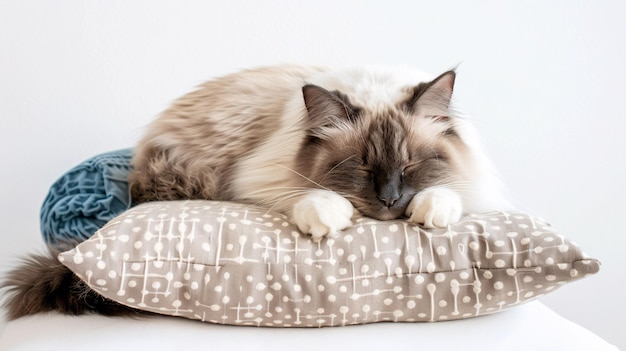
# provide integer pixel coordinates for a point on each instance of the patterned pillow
(231, 263)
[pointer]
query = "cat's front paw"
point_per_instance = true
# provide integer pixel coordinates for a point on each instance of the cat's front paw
(435, 207)
(321, 213)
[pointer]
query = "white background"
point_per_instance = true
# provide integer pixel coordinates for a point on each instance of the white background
(543, 81)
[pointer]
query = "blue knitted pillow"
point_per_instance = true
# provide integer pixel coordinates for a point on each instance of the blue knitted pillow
(85, 198)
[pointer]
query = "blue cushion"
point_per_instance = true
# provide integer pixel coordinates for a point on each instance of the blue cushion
(85, 198)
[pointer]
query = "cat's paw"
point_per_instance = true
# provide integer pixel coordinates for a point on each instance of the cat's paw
(435, 207)
(321, 213)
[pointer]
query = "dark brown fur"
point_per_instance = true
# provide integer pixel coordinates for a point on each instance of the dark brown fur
(42, 284)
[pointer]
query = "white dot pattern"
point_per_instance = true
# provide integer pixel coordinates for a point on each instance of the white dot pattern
(230, 263)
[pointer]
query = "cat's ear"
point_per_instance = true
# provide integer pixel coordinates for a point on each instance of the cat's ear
(326, 108)
(432, 99)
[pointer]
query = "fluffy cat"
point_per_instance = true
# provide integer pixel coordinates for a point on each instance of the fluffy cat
(317, 144)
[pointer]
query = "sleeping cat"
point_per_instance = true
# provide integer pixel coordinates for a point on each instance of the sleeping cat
(319, 145)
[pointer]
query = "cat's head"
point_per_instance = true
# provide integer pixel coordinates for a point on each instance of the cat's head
(379, 159)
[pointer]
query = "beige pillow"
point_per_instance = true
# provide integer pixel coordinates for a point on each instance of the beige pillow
(231, 263)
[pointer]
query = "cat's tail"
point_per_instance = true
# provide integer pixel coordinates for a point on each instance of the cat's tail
(42, 284)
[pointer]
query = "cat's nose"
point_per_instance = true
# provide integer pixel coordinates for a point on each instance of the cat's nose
(389, 188)
(389, 199)
(389, 191)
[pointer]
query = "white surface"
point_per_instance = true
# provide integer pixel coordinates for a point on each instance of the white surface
(543, 80)
(528, 327)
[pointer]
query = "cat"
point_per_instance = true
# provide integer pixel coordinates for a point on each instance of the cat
(317, 144)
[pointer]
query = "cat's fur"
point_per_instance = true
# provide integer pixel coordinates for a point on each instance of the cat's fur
(313, 143)
(316, 143)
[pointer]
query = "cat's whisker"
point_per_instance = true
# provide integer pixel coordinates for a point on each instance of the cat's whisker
(459, 186)
(271, 198)
(271, 201)
(452, 182)
(335, 167)
(455, 185)
(260, 191)
(300, 175)
(285, 198)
